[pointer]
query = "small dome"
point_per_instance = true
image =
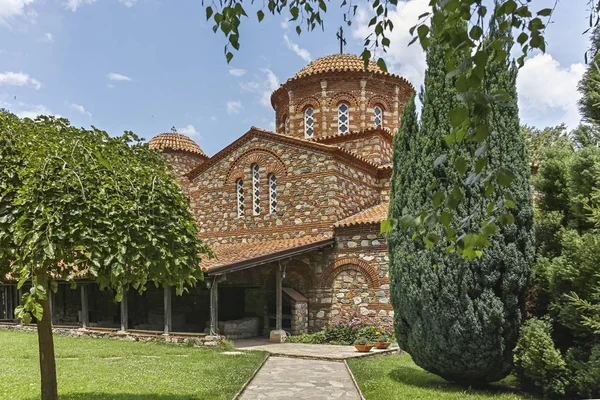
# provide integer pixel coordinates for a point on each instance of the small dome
(174, 141)
(337, 62)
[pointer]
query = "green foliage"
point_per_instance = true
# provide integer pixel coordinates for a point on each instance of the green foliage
(589, 86)
(585, 372)
(77, 202)
(310, 338)
(538, 141)
(586, 135)
(539, 366)
(458, 318)
(363, 341)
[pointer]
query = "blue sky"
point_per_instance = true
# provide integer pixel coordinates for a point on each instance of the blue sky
(148, 65)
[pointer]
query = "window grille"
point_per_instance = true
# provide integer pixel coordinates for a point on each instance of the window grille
(256, 189)
(343, 118)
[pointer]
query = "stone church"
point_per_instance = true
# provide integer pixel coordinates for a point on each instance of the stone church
(292, 216)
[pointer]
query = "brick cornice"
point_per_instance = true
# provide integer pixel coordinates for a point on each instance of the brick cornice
(353, 135)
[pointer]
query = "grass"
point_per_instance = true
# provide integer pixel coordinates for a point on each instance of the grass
(98, 369)
(398, 377)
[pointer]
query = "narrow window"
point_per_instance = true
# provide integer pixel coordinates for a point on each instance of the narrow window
(256, 189)
(343, 118)
(240, 197)
(378, 117)
(309, 123)
(272, 194)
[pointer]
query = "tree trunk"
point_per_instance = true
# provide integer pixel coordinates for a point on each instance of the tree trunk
(46, 348)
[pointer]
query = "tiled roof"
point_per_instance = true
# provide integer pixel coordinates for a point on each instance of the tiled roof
(174, 141)
(371, 215)
(237, 255)
(337, 62)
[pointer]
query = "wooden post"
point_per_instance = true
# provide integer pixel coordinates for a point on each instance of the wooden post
(278, 300)
(85, 314)
(214, 307)
(124, 314)
(167, 311)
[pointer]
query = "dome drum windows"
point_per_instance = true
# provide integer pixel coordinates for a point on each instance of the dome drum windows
(309, 122)
(343, 118)
(378, 116)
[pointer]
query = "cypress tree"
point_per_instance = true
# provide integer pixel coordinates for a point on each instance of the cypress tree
(457, 318)
(589, 86)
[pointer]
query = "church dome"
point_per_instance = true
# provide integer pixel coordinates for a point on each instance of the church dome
(336, 63)
(175, 142)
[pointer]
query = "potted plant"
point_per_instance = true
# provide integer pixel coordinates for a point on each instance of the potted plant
(363, 345)
(382, 340)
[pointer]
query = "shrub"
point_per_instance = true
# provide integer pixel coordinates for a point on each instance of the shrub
(363, 341)
(585, 373)
(310, 338)
(539, 366)
(371, 332)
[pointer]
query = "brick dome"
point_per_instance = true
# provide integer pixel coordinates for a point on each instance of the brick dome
(176, 142)
(337, 62)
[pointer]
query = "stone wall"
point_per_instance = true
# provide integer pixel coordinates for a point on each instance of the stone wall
(299, 318)
(314, 190)
(373, 145)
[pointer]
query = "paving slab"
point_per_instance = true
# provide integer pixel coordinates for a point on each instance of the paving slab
(292, 378)
(310, 351)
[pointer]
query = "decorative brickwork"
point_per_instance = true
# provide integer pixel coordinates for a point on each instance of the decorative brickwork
(354, 264)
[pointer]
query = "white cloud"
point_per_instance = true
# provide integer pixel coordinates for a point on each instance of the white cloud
(79, 108)
(302, 53)
(32, 111)
(234, 107)
(213, 118)
(18, 79)
(548, 92)
(12, 8)
(401, 59)
(189, 130)
(48, 37)
(263, 86)
(128, 3)
(113, 76)
(237, 72)
(73, 5)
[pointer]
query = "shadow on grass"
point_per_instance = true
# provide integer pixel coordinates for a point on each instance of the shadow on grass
(425, 380)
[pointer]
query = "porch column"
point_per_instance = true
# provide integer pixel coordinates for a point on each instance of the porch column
(167, 311)
(214, 307)
(124, 315)
(278, 335)
(85, 314)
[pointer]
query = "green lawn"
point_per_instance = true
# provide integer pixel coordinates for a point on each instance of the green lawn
(398, 377)
(94, 369)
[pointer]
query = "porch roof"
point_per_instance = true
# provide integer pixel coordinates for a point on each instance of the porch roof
(235, 257)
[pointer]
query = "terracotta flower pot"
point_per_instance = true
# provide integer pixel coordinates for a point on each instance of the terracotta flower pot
(382, 345)
(363, 349)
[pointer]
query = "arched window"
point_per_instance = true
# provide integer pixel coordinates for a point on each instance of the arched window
(240, 197)
(309, 123)
(255, 189)
(378, 116)
(272, 194)
(343, 118)
(286, 126)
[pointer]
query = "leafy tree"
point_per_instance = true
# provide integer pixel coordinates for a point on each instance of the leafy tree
(538, 141)
(458, 318)
(589, 86)
(78, 202)
(585, 135)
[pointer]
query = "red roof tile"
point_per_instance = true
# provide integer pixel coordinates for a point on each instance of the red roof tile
(373, 215)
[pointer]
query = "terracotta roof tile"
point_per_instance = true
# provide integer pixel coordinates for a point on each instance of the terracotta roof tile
(337, 62)
(174, 141)
(371, 215)
(226, 254)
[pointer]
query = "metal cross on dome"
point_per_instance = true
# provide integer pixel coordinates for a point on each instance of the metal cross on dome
(340, 36)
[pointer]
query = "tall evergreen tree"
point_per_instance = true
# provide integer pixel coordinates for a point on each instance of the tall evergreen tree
(460, 319)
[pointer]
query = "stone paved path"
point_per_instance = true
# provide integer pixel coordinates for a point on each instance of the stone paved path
(299, 379)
